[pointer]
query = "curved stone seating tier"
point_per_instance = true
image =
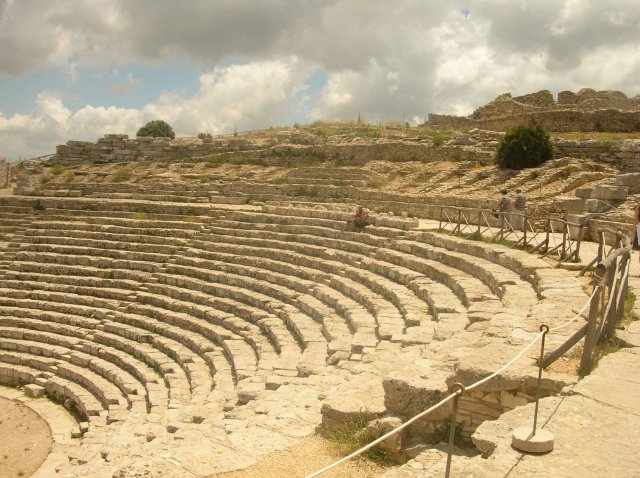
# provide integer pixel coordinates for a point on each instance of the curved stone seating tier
(69, 325)
(27, 354)
(291, 286)
(49, 228)
(292, 182)
(499, 279)
(46, 345)
(153, 361)
(162, 250)
(348, 280)
(340, 215)
(374, 274)
(294, 203)
(100, 234)
(111, 292)
(15, 374)
(81, 219)
(327, 219)
(165, 351)
(107, 264)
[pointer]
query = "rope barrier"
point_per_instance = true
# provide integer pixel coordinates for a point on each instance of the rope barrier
(385, 436)
(584, 307)
(449, 397)
(457, 392)
(506, 366)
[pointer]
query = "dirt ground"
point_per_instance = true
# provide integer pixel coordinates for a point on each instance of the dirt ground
(309, 455)
(25, 439)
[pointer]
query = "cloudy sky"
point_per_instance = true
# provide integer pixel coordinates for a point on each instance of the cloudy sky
(77, 69)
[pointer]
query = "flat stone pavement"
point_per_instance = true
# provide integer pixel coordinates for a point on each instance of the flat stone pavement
(596, 422)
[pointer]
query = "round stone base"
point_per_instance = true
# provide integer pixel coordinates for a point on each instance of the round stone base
(541, 442)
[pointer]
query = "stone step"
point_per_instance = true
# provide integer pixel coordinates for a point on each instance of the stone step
(57, 388)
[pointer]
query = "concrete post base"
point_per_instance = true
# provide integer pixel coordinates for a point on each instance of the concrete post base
(541, 442)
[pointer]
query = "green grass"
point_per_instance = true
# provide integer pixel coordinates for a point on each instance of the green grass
(627, 315)
(351, 436)
(377, 182)
(612, 345)
(121, 175)
(57, 170)
(598, 136)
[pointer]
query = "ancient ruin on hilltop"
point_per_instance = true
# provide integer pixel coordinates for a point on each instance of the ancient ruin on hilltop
(586, 110)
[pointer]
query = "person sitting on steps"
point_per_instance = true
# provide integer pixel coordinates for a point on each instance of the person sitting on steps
(361, 219)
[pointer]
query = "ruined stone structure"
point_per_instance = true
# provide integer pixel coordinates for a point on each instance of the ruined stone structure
(587, 110)
(5, 173)
(117, 148)
(187, 321)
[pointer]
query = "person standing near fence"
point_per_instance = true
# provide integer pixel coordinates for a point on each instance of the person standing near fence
(520, 206)
(636, 229)
(504, 207)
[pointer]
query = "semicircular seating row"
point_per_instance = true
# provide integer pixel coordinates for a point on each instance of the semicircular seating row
(169, 318)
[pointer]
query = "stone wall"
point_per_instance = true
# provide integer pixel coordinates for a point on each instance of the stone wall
(29, 178)
(113, 148)
(5, 173)
(118, 147)
(400, 151)
(587, 110)
(625, 155)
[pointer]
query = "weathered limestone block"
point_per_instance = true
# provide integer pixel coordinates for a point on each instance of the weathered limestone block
(631, 181)
(395, 443)
(610, 192)
(363, 395)
(584, 193)
(34, 391)
(596, 205)
(407, 394)
(571, 205)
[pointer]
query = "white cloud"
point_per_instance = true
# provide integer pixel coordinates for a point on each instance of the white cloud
(247, 96)
(383, 61)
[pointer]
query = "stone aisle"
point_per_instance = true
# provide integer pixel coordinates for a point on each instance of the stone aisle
(596, 423)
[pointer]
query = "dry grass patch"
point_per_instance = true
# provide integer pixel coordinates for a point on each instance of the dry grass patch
(308, 455)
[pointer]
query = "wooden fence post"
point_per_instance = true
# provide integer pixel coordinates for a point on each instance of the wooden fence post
(592, 324)
(617, 306)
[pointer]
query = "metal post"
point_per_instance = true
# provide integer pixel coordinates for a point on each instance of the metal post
(458, 389)
(501, 225)
(524, 230)
(479, 221)
(459, 219)
(565, 228)
(545, 330)
(440, 223)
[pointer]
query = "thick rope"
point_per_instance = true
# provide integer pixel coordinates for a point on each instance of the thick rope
(584, 307)
(384, 437)
(449, 397)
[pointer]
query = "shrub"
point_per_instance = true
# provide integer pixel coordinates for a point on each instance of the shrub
(57, 170)
(524, 147)
(121, 175)
(157, 129)
(205, 135)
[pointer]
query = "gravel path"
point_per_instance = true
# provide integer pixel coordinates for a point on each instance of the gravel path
(308, 455)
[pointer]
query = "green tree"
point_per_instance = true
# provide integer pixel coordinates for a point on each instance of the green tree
(524, 147)
(157, 129)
